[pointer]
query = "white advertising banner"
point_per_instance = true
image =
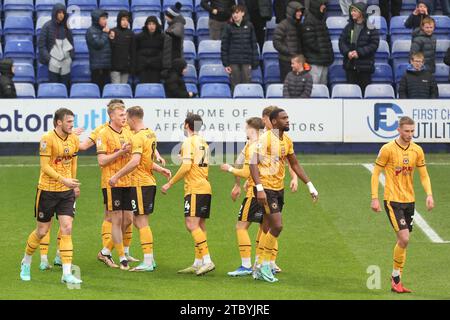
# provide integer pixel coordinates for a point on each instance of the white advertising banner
(377, 121)
(311, 120)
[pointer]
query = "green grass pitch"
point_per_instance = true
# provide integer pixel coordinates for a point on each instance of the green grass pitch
(325, 248)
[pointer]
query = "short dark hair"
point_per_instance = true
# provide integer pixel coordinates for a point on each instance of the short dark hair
(136, 111)
(255, 123)
(274, 114)
(60, 114)
(194, 121)
(268, 110)
(238, 7)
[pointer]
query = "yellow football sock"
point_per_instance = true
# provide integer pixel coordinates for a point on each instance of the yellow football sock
(58, 240)
(146, 237)
(245, 245)
(33, 242)
(128, 236)
(66, 249)
(260, 249)
(274, 252)
(200, 242)
(43, 246)
(106, 232)
(110, 245)
(120, 249)
(399, 258)
(198, 254)
(269, 244)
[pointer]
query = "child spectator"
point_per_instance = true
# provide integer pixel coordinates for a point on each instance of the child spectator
(174, 85)
(122, 47)
(420, 12)
(7, 88)
(299, 82)
(424, 41)
(417, 82)
(219, 15)
(239, 50)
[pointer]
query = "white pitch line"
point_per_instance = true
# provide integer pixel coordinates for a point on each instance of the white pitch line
(418, 219)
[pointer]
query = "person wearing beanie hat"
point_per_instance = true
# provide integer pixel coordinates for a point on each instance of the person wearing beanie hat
(122, 49)
(358, 44)
(390, 8)
(174, 35)
(149, 51)
(415, 18)
(219, 15)
(7, 88)
(174, 84)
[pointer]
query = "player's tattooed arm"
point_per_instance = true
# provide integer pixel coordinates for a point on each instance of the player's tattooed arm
(261, 196)
(86, 144)
(294, 180)
(300, 172)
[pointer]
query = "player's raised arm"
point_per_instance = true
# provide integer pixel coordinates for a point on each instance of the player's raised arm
(128, 168)
(86, 144)
(105, 159)
(300, 172)
(187, 158)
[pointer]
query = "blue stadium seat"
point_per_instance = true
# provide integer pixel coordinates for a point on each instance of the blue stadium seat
(346, 91)
(383, 52)
(186, 9)
(1, 28)
(80, 71)
(400, 50)
(18, 28)
(209, 52)
(84, 91)
(257, 76)
(190, 54)
(398, 30)
(42, 73)
(1, 51)
(270, 28)
(320, 91)
(441, 49)
(379, 91)
(18, 8)
(399, 71)
(150, 90)
(336, 74)
(379, 23)
(269, 53)
(202, 28)
(114, 5)
(79, 24)
(215, 90)
(52, 90)
(213, 73)
(23, 72)
(191, 74)
(274, 91)
(444, 90)
(408, 5)
(20, 50)
(199, 11)
(25, 90)
(40, 23)
(80, 49)
(336, 25)
(442, 30)
(139, 22)
(192, 87)
(148, 7)
(82, 5)
(382, 74)
(45, 7)
(442, 73)
(271, 73)
(248, 90)
(338, 57)
(122, 90)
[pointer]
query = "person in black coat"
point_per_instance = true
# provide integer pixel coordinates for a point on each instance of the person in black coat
(316, 41)
(174, 84)
(358, 44)
(421, 11)
(259, 12)
(447, 60)
(7, 88)
(417, 82)
(219, 15)
(149, 51)
(122, 49)
(279, 8)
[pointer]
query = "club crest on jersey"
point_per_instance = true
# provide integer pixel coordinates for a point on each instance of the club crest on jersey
(405, 161)
(41, 215)
(99, 142)
(43, 145)
(66, 150)
(403, 222)
(117, 203)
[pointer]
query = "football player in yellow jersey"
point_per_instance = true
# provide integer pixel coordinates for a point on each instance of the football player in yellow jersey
(143, 191)
(113, 152)
(399, 159)
(250, 210)
(197, 192)
(267, 169)
(56, 192)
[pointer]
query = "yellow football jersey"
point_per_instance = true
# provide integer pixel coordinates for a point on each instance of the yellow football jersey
(61, 153)
(273, 152)
(248, 152)
(399, 164)
(195, 151)
(94, 134)
(108, 142)
(144, 143)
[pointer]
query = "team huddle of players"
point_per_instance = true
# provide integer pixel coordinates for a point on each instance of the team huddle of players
(127, 155)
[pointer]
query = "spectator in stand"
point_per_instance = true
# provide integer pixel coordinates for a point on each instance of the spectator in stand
(424, 41)
(174, 85)
(239, 50)
(420, 12)
(149, 50)
(279, 7)
(259, 12)
(447, 61)
(299, 82)
(56, 46)
(445, 6)
(287, 37)
(358, 44)
(122, 49)
(97, 38)
(7, 88)
(219, 15)
(173, 43)
(417, 82)
(390, 8)
(316, 42)
(345, 6)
